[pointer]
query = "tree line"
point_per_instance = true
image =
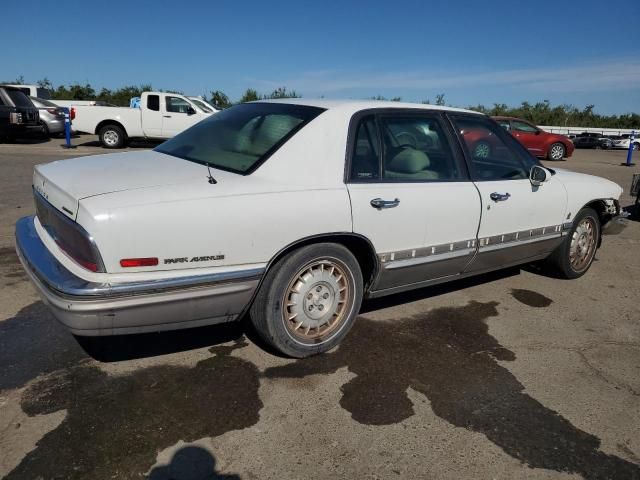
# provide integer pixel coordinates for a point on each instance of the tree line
(539, 113)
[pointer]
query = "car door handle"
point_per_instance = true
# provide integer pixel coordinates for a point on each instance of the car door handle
(380, 203)
(167, 116)
(499, 197)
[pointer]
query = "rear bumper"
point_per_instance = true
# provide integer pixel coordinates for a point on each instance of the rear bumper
(92, 309)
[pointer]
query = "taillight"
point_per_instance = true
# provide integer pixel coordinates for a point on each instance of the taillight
(72, 113)
(53, 111)
(139, 262)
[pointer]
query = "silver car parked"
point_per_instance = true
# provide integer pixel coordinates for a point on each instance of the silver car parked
(51, 116)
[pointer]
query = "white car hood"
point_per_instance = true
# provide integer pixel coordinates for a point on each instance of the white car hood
(65, 182)
(589, 185)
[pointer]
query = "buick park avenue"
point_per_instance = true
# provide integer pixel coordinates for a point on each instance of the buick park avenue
(292, 212)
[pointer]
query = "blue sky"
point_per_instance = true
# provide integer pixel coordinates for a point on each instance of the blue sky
(577, 52)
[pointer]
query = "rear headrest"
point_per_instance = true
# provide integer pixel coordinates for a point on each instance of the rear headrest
(409, 160)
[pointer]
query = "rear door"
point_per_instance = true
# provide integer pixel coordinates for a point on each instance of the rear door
(519, 222)
(411, 196)
(151, 115)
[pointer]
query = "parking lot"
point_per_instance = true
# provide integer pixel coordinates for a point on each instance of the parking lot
(508, 375)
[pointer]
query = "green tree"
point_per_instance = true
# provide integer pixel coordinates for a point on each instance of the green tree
(440, 99)
(282, 92)
(250, 95)
(219, 100)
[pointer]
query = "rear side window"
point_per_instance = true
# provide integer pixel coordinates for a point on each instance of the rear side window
(413, 148)
(19, 99)
(153, 102)
(494, 154)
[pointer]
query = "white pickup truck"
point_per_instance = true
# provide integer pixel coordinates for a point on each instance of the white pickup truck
(160, 115)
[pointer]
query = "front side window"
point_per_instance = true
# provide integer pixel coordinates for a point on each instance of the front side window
(524, 127)
(177, 105)
(242, 137)
(494, 154)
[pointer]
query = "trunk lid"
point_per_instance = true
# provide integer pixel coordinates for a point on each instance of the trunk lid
(64, 183)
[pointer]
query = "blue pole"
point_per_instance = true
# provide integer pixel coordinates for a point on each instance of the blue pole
(67, 129)
(630, 152)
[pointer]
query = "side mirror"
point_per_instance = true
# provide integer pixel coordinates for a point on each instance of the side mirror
(538, 175)
(191, 110)
(537, 132)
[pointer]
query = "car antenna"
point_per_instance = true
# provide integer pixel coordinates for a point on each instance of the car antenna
(210, 177)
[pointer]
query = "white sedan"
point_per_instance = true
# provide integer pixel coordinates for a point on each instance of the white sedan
(292, 211)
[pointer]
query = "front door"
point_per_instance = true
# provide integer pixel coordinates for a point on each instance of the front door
(178, 116)
(411, 197)
(520, 222)
(529, 136)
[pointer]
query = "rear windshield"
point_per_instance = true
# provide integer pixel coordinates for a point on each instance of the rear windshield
(201, 104)
(43, 93)
(19, 99)
(240, 138)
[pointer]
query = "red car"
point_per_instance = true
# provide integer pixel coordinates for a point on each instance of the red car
(540, 143)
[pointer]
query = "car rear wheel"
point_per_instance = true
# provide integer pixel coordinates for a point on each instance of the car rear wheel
(112, 136)
(575, 254)
(45, 130)
(308, 301)
(556, 152)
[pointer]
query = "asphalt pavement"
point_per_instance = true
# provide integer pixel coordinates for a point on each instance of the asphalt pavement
(509, 375)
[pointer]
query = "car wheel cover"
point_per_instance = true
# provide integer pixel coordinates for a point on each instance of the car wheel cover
(557, 152)
(583, 245)
(318, 301)
(481, 151)
(110, 137)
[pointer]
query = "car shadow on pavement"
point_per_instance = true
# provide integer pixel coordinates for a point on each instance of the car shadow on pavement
(190, 463)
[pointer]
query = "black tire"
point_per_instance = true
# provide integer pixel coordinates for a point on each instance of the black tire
(112, 136)
(560, 259)
(300, 287)
(556, 152)
(45, 130)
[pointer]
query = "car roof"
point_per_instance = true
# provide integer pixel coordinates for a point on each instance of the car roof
(357, 105)
(503, 117)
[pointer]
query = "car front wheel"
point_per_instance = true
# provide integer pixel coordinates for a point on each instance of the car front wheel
(556, 152)
(308, 301)
(575, 254)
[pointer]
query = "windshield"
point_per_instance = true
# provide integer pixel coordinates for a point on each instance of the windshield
(200, 104)
(240, 138)
(19, 99)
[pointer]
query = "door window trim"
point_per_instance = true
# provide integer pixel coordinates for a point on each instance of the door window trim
(457, 153)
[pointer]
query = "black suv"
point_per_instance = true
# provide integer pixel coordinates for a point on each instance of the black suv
(18, 116)
(592, 140)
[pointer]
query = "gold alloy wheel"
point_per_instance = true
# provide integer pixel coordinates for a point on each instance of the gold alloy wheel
(318, 300)
(583, 245)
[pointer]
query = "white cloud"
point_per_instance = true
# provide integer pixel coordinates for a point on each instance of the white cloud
(607, 75)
